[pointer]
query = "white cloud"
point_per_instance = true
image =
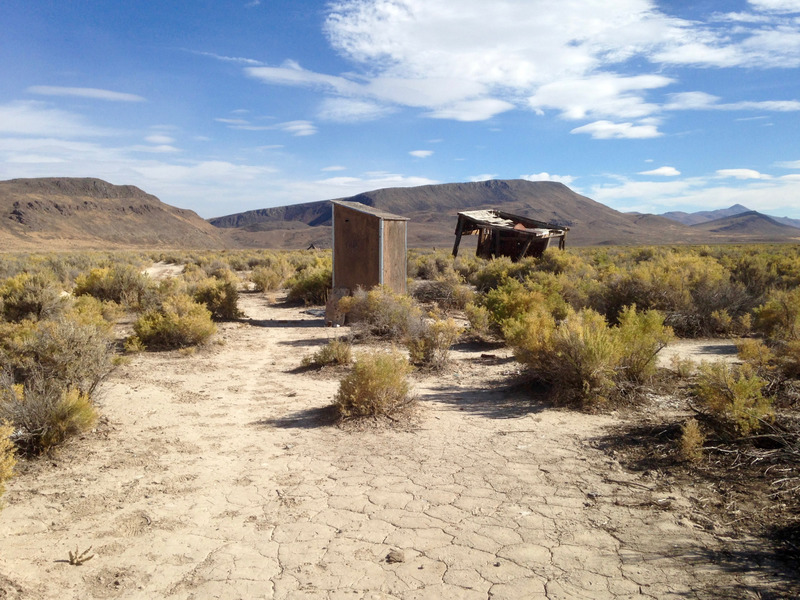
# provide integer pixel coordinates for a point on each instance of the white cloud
(742, 174)
(606, 95)
(789, 164)
(298, 128)
(482, 177)
(780, 6)
(472, 110)
(333, 168)
(421, 153)
(346, 110)
(662, 171)
(37, 119)
(93, 93)
(604, 130)
(159, 139)
(704, 101)
(544, 176)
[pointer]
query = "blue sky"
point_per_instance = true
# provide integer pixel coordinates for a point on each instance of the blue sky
(222, 107)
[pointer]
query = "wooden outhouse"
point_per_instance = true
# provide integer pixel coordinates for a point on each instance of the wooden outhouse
(369, 248)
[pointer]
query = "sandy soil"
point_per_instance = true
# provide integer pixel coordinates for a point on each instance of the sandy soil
(218, 475)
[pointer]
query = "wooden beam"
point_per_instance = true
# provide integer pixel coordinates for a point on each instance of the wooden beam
(459, 231)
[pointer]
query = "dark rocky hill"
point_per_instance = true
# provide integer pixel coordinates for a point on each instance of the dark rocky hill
(62, 213)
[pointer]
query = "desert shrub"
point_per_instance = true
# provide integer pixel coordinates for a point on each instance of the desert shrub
(123, 284)
(430, 345)
(497, 271)
(383, 313)
(310, 285)
(446, 291)
(691, 441)
(430, 266)
(530, 335)
(377, 386)
(43, 413)
(68, 352)
(271, 274)
(178, 322)
(779, 317)
(757, 354)
(687, 288)
(684, 367)
(335, 352)
(220, 295)
(733, 396)
(512, 299)
(479, 320)
(7, 455)
(640, 337)
(30, 296)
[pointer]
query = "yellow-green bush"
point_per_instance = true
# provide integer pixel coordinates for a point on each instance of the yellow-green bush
(30, 296)
(779, 316)
(69, 352)
(377, 386)
(691, 441)
(177, 323)
(335, 352)
(430, 346)
(271, 274)
(733, 395)
(7, 455)
(640, 336)
(383, 313)
(220, 295)
(43, 413)
(123, 284)
(310, 285)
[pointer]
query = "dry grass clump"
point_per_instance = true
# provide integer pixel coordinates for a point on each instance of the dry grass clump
(7, 455)
(376, 387)
(690, 445)
(335, 352)
(272, 274)
(178, 322)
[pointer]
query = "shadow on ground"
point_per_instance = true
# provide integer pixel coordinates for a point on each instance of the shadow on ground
(310, 418)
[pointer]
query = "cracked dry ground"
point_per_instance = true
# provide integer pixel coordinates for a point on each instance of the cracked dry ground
(217, 476)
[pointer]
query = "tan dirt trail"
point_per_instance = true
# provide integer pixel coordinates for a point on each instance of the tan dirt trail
(219, 475)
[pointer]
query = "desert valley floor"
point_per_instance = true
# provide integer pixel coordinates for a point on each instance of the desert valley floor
(219, 474)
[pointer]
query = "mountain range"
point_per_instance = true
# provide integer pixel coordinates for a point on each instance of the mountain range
(61, 213)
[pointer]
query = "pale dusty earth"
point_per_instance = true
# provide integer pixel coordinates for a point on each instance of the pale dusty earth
(219, 474)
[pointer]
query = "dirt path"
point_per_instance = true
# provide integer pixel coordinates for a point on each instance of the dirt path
(217, 476)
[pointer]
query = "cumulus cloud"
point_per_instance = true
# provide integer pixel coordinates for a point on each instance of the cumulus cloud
(544, 176)
(469, 60)
(605, 130)
(81, 92)
(662, 171)
(421, 153)
(482, 177)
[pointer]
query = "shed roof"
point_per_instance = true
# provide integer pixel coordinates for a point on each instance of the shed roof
(501, 220)
(358, 206)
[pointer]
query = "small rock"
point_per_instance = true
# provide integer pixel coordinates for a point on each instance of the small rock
(395, 556)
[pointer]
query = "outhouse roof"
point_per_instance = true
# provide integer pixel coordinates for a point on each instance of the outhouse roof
(358, 206)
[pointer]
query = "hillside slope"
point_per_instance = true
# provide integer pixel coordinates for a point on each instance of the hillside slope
(752, 224)
(433, 209)
(62, 213)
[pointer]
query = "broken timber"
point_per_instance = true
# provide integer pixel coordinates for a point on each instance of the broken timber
(504, 234)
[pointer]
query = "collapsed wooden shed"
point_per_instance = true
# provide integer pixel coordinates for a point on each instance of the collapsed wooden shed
(369, 248)
(503, 234)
